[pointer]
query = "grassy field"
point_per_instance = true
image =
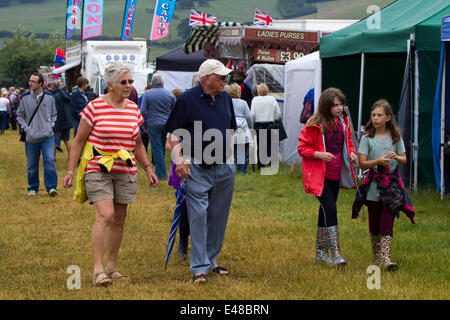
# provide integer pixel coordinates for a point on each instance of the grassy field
(268, 248)
(49, 17)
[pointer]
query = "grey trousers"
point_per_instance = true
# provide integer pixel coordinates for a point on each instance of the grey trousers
(208, 198)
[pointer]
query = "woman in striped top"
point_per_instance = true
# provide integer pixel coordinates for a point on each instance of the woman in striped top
(110, 124)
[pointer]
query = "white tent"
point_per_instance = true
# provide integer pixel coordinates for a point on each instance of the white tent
(178, 79)
(301, 75)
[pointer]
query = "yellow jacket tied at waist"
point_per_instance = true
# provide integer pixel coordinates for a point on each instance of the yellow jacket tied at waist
(105, 163)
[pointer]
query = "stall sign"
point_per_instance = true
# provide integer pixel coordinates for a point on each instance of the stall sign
(270, 34)
(276, 55)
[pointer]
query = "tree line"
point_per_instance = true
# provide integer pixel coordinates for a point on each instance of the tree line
(23, 54)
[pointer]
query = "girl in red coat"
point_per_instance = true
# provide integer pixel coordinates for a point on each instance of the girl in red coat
(327, 149)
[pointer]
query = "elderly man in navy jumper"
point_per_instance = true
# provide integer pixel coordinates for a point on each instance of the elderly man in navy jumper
(157, 104)
(209, 184)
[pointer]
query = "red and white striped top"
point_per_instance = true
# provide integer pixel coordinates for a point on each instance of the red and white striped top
(112, 129)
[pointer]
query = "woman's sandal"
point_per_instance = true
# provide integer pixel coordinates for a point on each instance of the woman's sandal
(221, 271)
(103, 281)
(110, 273)
(199, 278)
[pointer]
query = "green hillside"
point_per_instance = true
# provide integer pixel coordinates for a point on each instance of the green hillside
(49, 16)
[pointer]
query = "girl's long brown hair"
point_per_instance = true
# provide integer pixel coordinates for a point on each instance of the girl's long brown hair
(323, 116)
(370, 130)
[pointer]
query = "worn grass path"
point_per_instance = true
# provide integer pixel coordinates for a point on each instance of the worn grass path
(269, 244)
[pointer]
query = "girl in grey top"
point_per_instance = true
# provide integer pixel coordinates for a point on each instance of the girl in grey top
(382, 146)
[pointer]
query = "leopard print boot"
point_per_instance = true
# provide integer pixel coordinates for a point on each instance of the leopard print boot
(334, 246)
(375, 241)
(322, 246)
(385, 253)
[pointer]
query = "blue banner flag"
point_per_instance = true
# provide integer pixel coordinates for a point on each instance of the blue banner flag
(162, 17)
(72, 16)
(92, 19)
(128, 19)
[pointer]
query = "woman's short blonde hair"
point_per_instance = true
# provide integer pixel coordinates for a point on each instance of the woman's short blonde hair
(176, 92)
(4, 92)
(263, 89)
(113, 72)
(234, 90)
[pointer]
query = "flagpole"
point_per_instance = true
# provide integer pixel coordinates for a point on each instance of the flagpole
(148, 51)
(65, 27)
(81, 36)
(149, 41)
(315, 13)
(123, 20)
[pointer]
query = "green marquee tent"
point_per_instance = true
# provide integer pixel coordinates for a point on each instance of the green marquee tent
(367, 61)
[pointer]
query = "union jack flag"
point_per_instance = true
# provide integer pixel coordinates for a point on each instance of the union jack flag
(262, 19)
(200, 18)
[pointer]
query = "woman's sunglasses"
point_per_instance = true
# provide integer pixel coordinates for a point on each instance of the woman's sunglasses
(124, 82)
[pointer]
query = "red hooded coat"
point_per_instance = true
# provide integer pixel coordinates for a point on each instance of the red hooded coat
(311, 139)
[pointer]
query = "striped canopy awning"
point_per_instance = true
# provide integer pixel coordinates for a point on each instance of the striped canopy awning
(204, 34)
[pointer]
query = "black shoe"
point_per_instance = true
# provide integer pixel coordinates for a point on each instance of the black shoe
(59, 149)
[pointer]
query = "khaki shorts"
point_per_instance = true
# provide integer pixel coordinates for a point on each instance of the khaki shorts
(119, 186)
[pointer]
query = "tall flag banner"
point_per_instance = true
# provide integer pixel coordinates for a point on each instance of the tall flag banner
(72, 16)
(161, 20)
(262, 19)
(92, 19)
(128, 19)
(200, 18)
(59, 61)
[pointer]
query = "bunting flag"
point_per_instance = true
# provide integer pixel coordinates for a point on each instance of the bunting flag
(262, 19)
(92, 19)
(128, 19)
(59, 61)
(161, 20)
(72, 16)
(197, 18)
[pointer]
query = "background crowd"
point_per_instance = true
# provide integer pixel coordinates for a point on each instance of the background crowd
(112, 132)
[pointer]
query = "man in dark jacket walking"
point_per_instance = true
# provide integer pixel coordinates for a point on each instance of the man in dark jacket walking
(78, 101)
(64, 118)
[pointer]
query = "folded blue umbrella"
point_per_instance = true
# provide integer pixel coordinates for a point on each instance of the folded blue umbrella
(180, 195)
